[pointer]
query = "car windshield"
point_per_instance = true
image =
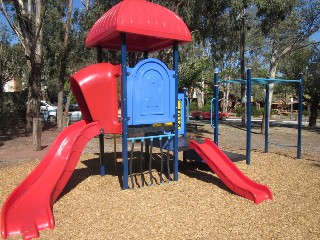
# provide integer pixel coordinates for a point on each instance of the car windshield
(73, 108)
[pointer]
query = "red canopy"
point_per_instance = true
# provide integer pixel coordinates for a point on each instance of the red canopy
(148, 26)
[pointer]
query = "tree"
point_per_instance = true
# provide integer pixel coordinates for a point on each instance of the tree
(286, 26)
(4, 75)
(312, 85)
(287, 31)
(26, 20)
(195, 70)
(61, 119)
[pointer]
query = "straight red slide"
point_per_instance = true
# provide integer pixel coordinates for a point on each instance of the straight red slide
(227, 171)
(28, 208)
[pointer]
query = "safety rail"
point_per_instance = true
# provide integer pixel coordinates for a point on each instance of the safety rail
(143, 139)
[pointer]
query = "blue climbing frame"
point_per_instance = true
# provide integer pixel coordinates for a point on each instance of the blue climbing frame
(266, 82)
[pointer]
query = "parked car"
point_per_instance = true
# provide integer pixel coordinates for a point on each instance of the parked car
(206, 115)
(74, 114)
(45, 106)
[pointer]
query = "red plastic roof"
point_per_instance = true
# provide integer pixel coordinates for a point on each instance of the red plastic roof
(149, 27)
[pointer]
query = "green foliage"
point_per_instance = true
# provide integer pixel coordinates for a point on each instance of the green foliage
(206, 108)
(238, 111)
(312, 78)
(254, 111)
(194, 68)
(306, 113)
(271, 13)
(193, 106)
(257, 112)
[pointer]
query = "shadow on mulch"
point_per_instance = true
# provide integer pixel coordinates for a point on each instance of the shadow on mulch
(316, 165)
(93, 169)
(198, 170)
(8, 132)
(155, 176)
(16, 130)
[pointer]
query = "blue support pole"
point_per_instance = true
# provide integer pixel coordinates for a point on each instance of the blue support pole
(300, 117)
(124, 111)
(248, 148)
(145, 55)
(266, 120)
(101, 156)
(216, 108)
(175, 148)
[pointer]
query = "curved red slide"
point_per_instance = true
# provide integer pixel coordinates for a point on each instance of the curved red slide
(227, 171)
(28, 209)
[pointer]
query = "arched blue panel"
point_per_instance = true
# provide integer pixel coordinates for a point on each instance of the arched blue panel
(150, 92)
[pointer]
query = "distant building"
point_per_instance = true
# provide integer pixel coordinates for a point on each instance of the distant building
(13, 85)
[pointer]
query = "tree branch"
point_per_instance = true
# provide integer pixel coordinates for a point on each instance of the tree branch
(16, 29)
(41, 8)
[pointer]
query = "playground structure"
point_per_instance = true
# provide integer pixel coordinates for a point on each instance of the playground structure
(149, 101)
(266, 82)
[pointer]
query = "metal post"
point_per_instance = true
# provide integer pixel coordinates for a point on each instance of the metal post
(124, 110)
(99, 55)
(266, 119)
(248, 149)
(300, 117)
(145, 55)
(175, 148)
(216, 108)
(101, 157)
(150, 162)
(115, 152)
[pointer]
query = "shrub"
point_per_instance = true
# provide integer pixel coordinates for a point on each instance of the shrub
(193, 106)
(306, 113)
(254, 111)
(238, 111)
(206, 108)
(257, 112)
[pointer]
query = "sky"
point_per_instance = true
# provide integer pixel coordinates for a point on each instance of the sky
(316, 36)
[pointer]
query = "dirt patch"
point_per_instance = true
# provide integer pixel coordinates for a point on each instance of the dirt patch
(198, 206)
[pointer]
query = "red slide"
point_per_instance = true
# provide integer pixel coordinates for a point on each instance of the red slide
(229, 173)
(29, 207)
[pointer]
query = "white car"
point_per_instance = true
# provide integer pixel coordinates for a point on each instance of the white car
(45, 106)
(74, 114)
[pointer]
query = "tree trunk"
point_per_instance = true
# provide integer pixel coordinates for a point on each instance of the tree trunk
(1, 79)
(227, 97)
(31, 40)
(34, 93)
(314, 112)
(86, 4)
(66, 119)
(200, 99)
(273, 70)
(63, 66)
(224, 102)
(36, 137)
(242, 68)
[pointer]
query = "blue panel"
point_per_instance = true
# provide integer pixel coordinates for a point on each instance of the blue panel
(150, 93)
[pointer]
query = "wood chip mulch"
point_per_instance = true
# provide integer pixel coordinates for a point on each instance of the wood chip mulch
(198, 206)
